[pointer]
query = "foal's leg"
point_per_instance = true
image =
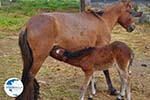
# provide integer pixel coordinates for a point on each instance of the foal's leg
(128, 89)
(88, 76)
(93, 87)
(125, 84)
(111, 89)
(122, 88)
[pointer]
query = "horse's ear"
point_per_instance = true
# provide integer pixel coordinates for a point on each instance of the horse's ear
(101, 12)
(127, 2)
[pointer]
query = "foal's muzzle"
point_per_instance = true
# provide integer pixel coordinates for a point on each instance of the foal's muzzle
(131, 28)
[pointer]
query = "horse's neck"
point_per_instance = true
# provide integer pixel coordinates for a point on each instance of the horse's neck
(110, 19)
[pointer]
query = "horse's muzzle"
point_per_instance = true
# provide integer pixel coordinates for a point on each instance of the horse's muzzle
(131, 28)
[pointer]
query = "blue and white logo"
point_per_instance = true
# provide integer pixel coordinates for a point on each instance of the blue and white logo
(13, 87)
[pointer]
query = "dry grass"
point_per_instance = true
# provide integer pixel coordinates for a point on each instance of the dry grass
(61, 81)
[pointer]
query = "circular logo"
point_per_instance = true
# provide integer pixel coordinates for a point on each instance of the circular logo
(13, 87)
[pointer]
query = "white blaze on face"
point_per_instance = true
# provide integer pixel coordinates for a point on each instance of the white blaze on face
(58, 51)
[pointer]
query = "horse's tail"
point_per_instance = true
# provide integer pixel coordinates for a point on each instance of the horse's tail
(27, 58)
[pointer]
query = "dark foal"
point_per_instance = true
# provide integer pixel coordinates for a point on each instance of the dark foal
(97, 59)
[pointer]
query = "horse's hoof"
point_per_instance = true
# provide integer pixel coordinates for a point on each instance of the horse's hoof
(113, 92)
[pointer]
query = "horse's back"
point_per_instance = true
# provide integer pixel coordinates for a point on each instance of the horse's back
(76, 30)
(69, 30)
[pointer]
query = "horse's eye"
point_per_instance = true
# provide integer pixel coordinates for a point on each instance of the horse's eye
(130, 13)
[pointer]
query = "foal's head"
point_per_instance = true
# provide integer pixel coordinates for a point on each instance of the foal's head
(58, 53)
(125, 18)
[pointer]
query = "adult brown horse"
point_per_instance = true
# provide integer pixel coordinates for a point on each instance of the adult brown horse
(72, 31)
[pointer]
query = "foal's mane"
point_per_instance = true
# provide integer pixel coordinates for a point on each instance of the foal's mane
(79, 53)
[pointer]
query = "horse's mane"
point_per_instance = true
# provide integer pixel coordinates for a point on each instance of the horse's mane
(107, 8)
(96, 13)
(79, 53)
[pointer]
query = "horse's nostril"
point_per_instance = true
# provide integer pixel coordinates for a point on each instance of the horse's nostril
(131, 28)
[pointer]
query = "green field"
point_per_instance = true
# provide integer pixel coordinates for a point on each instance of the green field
(14, 16)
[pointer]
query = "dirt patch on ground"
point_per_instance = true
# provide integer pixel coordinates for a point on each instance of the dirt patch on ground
(61, 81)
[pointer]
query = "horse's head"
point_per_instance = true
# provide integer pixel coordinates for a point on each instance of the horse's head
(125, 18)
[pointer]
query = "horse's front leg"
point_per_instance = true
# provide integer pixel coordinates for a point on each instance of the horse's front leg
(88, 76)
(111, 89)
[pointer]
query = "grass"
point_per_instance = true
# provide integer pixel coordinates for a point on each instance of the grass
(14, 16)
(11, 23)
(2, 35)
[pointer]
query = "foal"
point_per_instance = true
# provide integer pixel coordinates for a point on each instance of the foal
(99, 58)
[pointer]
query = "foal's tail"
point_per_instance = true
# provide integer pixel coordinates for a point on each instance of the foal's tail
(27, 58)
(131, 61)
(132, 58)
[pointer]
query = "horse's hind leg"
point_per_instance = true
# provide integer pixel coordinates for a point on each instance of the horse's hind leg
(36, 89)
(38, 53)
(32, 87)
(111, 89)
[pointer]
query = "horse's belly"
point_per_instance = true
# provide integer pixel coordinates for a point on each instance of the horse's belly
(76, 41)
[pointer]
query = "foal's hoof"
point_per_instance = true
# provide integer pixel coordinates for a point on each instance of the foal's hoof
(95, 86)
(119, 98)
(113, 92)
(90, 98)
